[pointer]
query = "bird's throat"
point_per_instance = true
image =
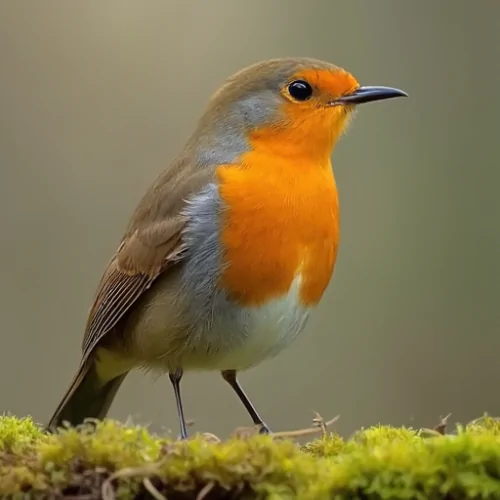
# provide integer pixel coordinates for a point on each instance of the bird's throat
(311, 138)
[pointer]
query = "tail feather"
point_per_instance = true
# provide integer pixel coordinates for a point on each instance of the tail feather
(87, 397)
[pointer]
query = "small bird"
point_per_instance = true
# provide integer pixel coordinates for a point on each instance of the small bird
(233, 246)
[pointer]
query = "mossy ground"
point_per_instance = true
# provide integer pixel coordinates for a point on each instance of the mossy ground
(126, 462)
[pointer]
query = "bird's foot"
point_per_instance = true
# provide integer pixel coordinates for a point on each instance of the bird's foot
(264, 429)
(183, 436)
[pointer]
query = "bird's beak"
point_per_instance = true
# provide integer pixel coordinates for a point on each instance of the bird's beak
(369, 94)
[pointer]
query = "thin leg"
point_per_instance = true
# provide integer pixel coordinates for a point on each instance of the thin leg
(230, 377)
(175, 378)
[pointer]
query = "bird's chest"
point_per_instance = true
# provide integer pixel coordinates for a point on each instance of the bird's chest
(278, 230)
(261, 253)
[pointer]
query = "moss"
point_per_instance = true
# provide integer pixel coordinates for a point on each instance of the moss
(125, 462)
(483, 425)
(329, 445)
(18, 434)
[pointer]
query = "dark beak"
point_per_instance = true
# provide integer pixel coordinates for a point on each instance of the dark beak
(370, 94)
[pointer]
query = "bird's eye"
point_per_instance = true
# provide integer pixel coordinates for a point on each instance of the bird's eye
(300, 90)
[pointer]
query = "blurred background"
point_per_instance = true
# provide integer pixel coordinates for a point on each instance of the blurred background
(97, 97)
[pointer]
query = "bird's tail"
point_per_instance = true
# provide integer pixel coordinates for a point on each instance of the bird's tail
(87, 397)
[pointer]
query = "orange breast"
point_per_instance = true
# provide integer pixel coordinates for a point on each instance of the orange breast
(281, 220)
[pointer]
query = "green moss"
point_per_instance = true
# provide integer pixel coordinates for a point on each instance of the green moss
(17, 434)
(381, 462)
(484, 425)
(330, 445)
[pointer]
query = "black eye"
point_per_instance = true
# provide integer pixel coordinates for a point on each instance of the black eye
(300, 90)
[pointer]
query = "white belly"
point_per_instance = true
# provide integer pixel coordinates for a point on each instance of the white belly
(222, 336)
(260, 332)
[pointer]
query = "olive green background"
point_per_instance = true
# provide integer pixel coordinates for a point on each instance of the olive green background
(96, 98)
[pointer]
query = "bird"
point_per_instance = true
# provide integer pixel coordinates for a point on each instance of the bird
(231, 249)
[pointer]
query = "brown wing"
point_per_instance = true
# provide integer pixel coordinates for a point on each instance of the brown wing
(152, 244)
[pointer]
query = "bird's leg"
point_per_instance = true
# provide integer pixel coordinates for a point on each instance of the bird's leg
(175, 378)
(230, 377)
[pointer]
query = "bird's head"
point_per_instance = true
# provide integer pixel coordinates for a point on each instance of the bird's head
(292, 105)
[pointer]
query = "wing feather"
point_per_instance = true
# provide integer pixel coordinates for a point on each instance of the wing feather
(151, 245)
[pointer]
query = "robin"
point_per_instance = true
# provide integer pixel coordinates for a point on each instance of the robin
(234, 244)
